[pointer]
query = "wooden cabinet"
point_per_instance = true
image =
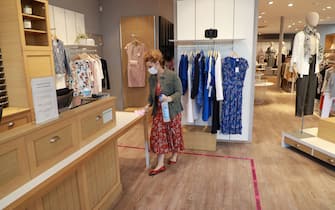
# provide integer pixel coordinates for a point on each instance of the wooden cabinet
(228, 16)
(93, 123)
(14, 117)
(65, 195)
(14, 165)
(26, 48)
(86, 177)
(51, 144)
(101, 177)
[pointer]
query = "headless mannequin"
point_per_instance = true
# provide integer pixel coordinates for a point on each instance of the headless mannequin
(312, 20)
(270, 55)
(305, 59)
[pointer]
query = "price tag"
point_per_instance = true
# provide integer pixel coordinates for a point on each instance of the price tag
(237, 69)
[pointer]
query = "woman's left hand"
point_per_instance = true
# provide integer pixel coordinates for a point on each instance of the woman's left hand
(166, 98)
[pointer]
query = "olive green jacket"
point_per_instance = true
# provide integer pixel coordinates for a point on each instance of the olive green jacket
(170, 86)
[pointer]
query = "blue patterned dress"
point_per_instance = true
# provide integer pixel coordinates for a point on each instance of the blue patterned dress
(233, 73)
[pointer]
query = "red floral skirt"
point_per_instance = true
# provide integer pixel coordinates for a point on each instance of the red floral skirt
(166, 136)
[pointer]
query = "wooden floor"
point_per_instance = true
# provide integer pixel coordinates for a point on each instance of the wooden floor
(286, 179)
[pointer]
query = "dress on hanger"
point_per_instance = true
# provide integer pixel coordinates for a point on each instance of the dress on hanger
(234, 71)
(136, 66)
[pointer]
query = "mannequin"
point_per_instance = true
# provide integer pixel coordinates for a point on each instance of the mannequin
(306, 59)
(270, 55)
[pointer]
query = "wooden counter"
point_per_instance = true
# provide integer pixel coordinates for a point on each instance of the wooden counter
(86, 172)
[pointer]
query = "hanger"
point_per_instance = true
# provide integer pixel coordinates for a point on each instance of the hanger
(233, 54)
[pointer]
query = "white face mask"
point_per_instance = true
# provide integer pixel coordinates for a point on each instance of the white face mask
(152, 70)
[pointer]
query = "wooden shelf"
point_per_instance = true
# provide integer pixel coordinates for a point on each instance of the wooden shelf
(36, 17)
(35, 31)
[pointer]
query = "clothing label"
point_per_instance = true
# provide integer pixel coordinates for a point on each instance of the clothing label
(237, 69)
(107, 115)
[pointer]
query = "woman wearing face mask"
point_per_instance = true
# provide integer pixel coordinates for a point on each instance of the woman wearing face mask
(164, 86)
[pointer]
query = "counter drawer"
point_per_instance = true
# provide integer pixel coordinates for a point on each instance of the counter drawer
(95, 122)
(50, 145)
(324, 157)
(297, 145)
(11, 122)
(14, 165)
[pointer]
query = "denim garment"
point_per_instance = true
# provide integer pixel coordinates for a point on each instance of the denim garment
(183, 66)
(206, 111)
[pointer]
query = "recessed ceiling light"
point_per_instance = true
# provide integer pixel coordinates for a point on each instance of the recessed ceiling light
(328, 7)
(323, 9)
(290, 5)
(289, 26)
(293, 24)
(328, 17)
(299, 21)
(296, 29)
(260, 16)
(270, 2)
(262, 13)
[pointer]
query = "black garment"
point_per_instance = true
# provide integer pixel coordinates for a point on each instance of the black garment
(215, 113)
(305, 93)
(195, 77)
(320, 82)
(105, 80)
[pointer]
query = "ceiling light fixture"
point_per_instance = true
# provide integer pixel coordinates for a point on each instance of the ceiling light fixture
(300, 21)
(323, 9)
(260, 16)
(262, 13)
(290, 5)
(270, 2)
(293, 24)
(328, 7)
(289, 26)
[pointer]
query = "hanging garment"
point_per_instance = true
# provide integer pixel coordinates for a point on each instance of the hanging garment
(305, 92)
(206, 111)
(218, 78)
(234, 71)
(81, 77)
(136, 65)
(195, 77)
(200, 95)
(183, 67)
(60, 58)
(216, 114)
(105, 81)
(186, 99)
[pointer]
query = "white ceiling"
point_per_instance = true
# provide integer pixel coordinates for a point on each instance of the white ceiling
(269, 22)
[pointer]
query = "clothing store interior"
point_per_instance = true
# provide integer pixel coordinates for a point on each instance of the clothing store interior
(167, 104)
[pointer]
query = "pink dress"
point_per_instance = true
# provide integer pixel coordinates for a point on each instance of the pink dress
(136, 65)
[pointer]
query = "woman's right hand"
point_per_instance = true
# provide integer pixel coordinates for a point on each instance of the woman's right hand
(146, 108)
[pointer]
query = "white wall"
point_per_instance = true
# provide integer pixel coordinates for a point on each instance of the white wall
(245, 28)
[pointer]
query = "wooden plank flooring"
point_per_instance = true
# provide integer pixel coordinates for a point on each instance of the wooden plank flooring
(287, 179)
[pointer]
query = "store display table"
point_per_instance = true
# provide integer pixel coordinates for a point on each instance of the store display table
(311, 144)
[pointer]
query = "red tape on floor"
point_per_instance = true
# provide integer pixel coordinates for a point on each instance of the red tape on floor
(252, 165)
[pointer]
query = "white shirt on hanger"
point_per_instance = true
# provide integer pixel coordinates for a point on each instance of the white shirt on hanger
(218, 78)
